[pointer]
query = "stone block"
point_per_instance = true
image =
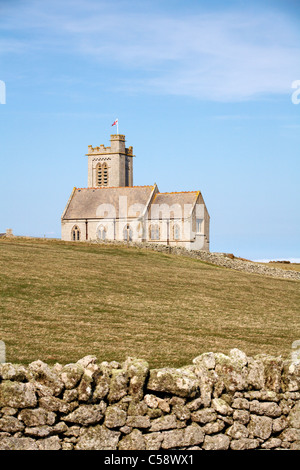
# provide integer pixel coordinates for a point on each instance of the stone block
(260, 426)
(133, 441)
(217, 442)
(86, 414)
(17, 394)
(114, 417)
(189, 436)
(180, 382)
(98, 438)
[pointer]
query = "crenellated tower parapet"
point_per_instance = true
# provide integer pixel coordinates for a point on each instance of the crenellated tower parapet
(110, 166)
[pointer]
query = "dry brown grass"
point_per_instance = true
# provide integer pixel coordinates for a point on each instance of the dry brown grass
(61, 301)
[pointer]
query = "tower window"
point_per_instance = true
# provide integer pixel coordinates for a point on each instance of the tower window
(105, 174)
(75, 233)
(99, 174)
(102, 174)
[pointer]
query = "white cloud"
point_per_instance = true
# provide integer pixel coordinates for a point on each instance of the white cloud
(216, 56)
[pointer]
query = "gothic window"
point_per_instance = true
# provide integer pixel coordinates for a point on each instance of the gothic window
(105, 174)
(99, 176)
(154, 232)
(199, 223)
(127, 233)
(102, 232)
(102, 174)
(176, 232)
(75, 233)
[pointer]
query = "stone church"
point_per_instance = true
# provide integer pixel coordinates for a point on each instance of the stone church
(111, 208)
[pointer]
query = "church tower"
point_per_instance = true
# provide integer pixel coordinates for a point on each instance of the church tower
(110, 166)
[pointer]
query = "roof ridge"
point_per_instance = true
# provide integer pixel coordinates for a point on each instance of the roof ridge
(116, 187)
(179, 192)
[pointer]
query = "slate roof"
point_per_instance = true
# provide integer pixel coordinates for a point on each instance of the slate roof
(174, 202)
(84, 202)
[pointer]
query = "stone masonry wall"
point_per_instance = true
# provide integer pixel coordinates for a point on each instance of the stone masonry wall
(217, 403)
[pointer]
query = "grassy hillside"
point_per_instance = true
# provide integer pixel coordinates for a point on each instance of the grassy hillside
(60, 301)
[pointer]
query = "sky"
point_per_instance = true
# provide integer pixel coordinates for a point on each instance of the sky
(206, 91)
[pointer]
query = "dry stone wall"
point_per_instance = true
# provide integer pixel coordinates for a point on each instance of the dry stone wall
(219, 402)
(224, 260)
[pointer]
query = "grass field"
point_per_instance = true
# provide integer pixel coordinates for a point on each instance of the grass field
(60, 301)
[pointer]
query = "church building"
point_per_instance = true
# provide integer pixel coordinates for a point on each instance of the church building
(111, 208)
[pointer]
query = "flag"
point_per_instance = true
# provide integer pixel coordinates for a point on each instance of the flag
(116, 122)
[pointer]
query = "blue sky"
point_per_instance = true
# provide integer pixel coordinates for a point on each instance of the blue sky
(202, 90)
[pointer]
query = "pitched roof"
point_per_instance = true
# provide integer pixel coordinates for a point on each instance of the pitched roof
(182, 197)
(85, 202)
(178, 203)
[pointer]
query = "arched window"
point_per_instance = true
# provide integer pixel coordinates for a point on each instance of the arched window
(154, 232)
(127, 233)
(176, 232)
(105, 174)
(102, 232)
(99, 177)
(75, 233)
(102, 174)
(199, 224)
